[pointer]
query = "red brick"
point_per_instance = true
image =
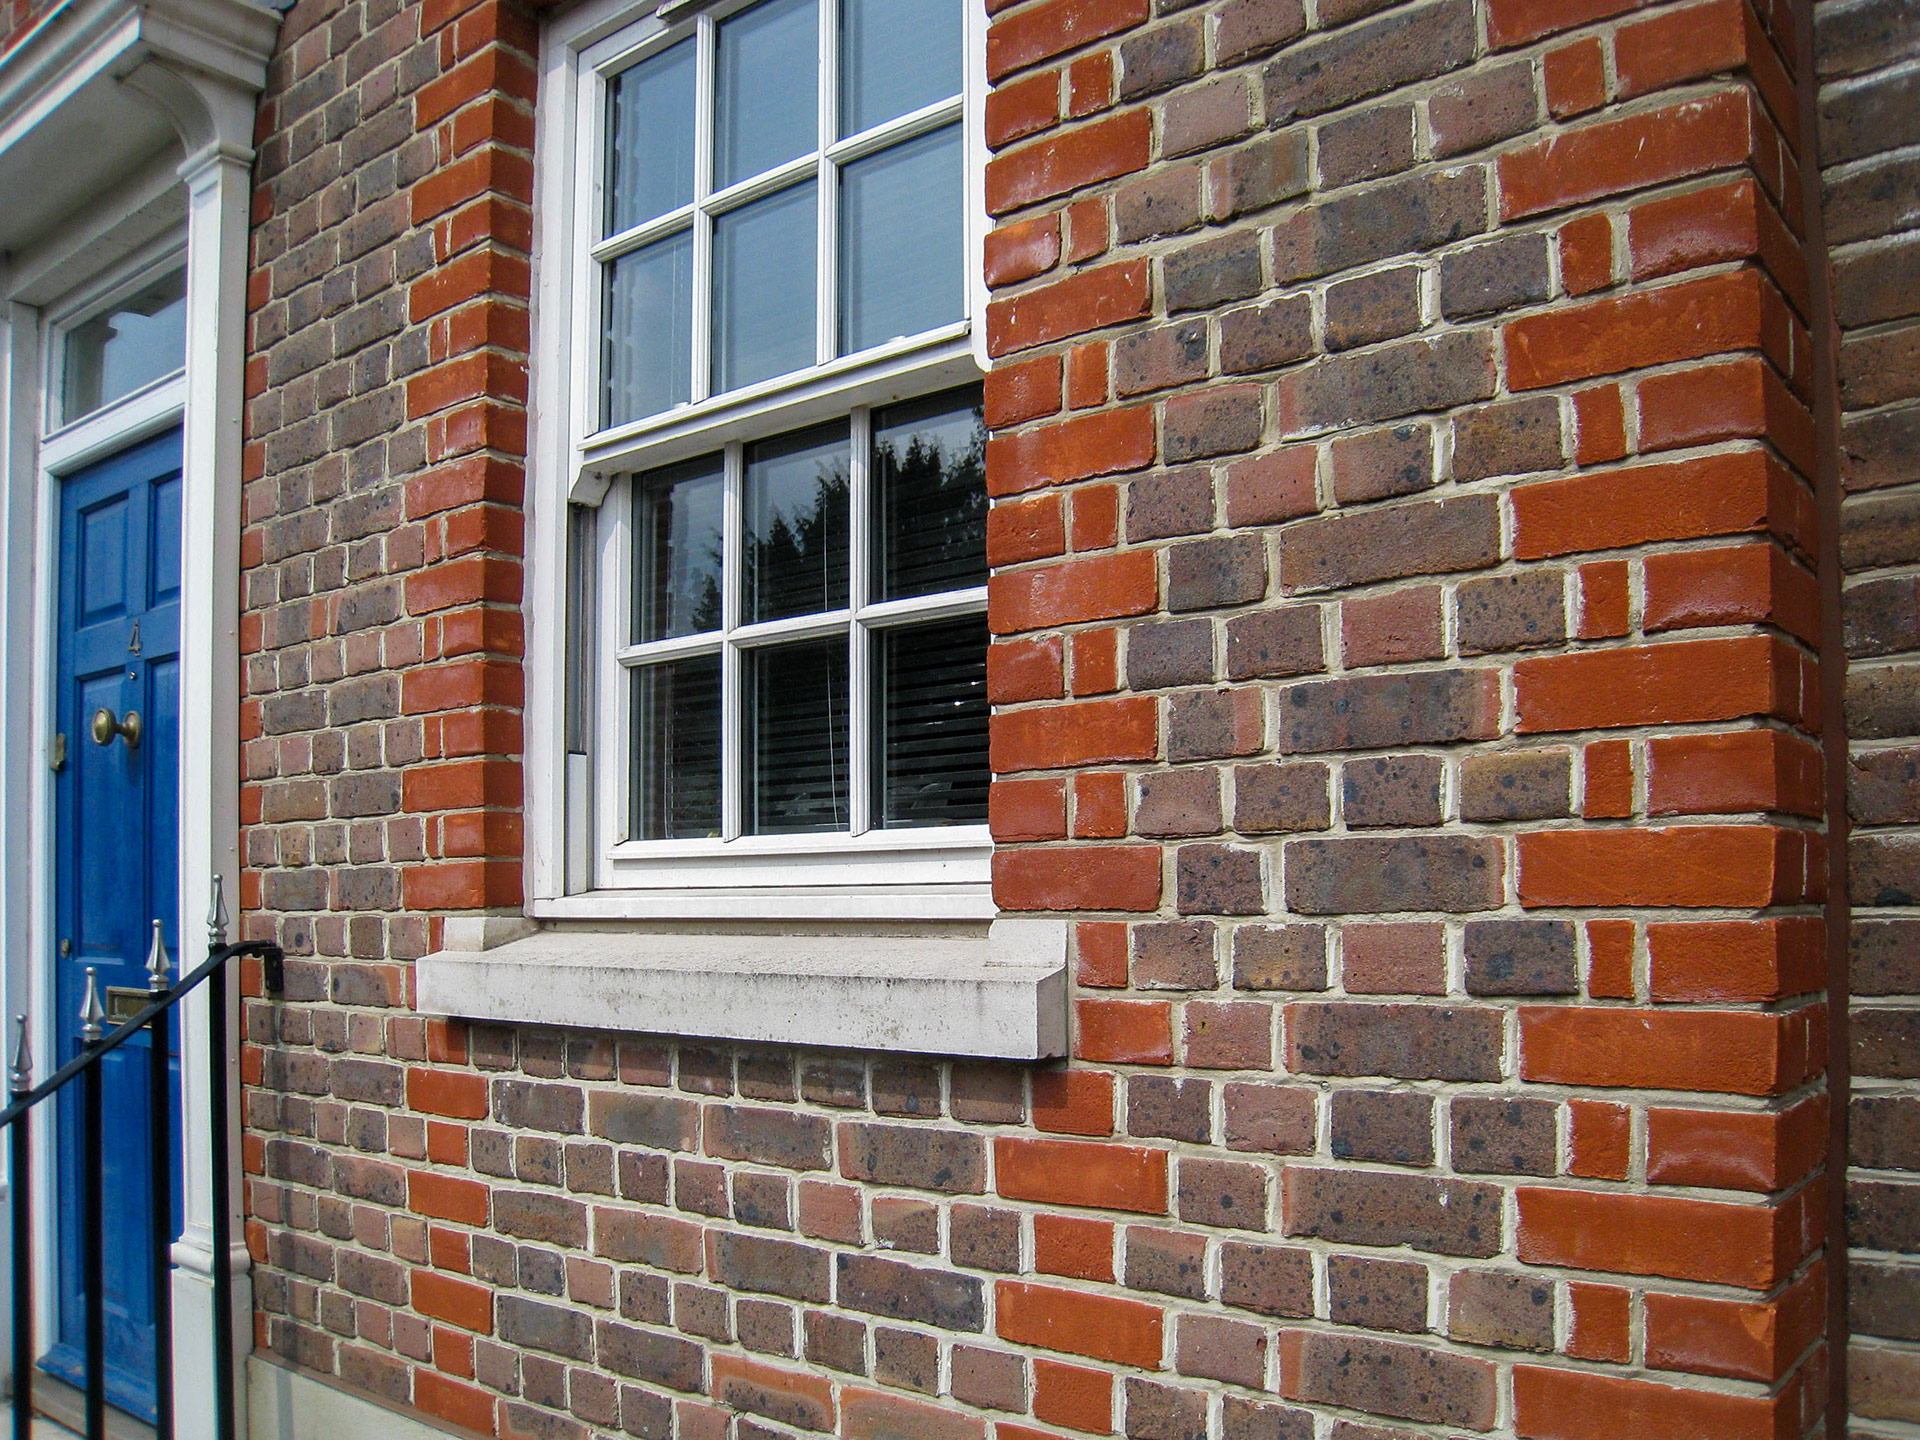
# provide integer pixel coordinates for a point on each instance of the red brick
(1736, 960)
(1518, 22)
(1607, 786)
(1582, 1405)
(1020, 251)
(1605, 606)
(453, 1402)
(1737, 1340)
(1576, 77)
(1122, 1032)
(448, 1092)
(1072, 592)
(1749, 1246)
(1736, 1149)
(447, 1197)
(1096, 662)
(1077, 448)
(1757, 770)
(1125, 1332)
(1089, 300)
(1094, 522)
(1732, 585)
(1025, 670)
(1685, 320)
(873, 1415)
(1600, 1323)
(1612, 156)
(1043, 31)
(1073, 1102)
(1090, 83)
(1674, 683)
(1100, 954)
(1726, 494)
(1071, 1396)
(1586, 254)
(1100, 805)
(1096, 1176)
(1610, 959)
(1735, 400)
(1027, 810)
(1717, 1051)
(1078, 1248)
(1082, 877)
(1089, 732)
(1024, 107)
(1085, 155)
(458, 1302)
(778, 1394)
(1033, 529)
(1027, 390)
(1599, 1140)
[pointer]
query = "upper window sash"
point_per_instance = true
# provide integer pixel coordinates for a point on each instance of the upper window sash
(867, 375)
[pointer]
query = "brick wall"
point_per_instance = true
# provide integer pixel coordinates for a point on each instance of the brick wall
(1872, 211)
(1405, 681)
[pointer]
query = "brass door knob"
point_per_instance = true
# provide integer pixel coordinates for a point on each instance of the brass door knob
(105, 727)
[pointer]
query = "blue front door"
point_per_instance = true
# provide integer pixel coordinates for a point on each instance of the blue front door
(117, 807)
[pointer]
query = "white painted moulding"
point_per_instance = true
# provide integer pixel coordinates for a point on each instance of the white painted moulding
(999, 994)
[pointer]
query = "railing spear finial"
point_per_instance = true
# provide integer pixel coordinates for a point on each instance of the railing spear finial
(217, 913)
(93, 1015)
(20, 1076)
(157, 965)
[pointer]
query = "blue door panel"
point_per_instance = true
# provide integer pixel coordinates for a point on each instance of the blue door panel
(117, 809)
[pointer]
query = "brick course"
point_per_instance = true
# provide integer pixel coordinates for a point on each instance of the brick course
(1406, 684)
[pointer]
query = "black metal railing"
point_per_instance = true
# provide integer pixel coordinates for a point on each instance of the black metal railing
(84, 1069)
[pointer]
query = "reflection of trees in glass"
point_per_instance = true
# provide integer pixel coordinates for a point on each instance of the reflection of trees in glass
(799, 563)
(933, 498)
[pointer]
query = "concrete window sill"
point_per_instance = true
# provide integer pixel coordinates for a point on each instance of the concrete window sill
(998, 991)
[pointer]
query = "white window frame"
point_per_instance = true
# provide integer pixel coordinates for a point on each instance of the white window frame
(579, 865)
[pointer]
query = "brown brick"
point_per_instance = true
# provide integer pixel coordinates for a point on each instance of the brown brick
(1511, 612)
(1160, 357)
(1502, 274)
(1521, 957)
(1482, 107)
(1351, 1207)
(1271, 1119)
(1516, 785)
(768, 1266)
(1266, 336)
(1165, 202)
(1386, 1377)
(1395, 1128)
(1178, 803)
(1353, 875)
(1280, 957)
(1170, 653)
(1385, 383)
(1260, 173)
(1382, 222)
(1269, 643)
(1374, 711)
(1226, 1193)
(1166, 1262)
(1514, 437)
(1398, 790)
(1350, 64)
(1280, 799)
(1512, 1312)
(1366, 144)
(1504, 1137)
(1218, 880)
(1422, 537)
(1380, 464)
(1164, 1412)
(1267, 1279)
(1406, 1042)
(913, 1158)
(1162, 1108)
(910, 1292)
(1243, 1419)
(1211, 1347)
(1377, 1294)
(983, 1238)
(1379, 305)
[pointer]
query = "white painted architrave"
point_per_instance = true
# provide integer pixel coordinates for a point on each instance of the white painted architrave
(120, 122)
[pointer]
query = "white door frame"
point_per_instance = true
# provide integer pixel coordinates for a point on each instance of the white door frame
(200, 64)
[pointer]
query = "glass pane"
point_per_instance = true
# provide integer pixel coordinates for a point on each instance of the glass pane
(676, 750)
(895, 56)
(769, 76)
(678, 547)
(797, 705)
(138, 341)
(930, 494)
(901, 241)
(796, 524)
(930, 759)
(763, 288)
(650, 112)
(649, 340)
